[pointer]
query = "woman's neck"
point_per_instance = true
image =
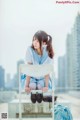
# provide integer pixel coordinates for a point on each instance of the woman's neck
(39, 51)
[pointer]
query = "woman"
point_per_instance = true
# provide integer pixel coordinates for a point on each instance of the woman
(41, 52)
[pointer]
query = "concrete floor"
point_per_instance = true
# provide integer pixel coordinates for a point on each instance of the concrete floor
(74, 106)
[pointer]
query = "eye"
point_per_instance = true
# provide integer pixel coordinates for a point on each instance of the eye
(34, 39)
(37, 40)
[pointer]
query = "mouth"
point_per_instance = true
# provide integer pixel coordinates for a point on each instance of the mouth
(35, 46)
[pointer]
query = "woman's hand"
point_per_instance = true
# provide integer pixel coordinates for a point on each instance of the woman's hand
(45, 89)
(27, 89)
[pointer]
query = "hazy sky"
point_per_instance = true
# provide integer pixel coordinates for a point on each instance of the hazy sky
(20, 19)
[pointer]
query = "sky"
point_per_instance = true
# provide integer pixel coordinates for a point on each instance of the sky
(20, 19)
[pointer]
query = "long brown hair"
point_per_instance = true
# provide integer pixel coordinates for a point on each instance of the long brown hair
(44, 37)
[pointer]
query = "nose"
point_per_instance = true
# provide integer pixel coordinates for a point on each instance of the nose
(35, 42)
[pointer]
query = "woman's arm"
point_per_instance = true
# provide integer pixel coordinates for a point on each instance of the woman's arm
(27, 88)
(45, 88)
(28, 61)
(27, 81)
(46, 80)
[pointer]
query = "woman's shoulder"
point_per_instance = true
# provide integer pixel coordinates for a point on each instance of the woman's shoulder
(29, 48)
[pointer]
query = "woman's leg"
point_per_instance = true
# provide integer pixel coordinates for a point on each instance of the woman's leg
(39, 87)
(43, 84)
(45, 88)
(40, 84)
(32, 86)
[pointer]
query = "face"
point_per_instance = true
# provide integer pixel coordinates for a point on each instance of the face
(36, 43)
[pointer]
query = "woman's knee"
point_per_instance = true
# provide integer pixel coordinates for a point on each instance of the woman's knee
(39, 86)
(32, 86)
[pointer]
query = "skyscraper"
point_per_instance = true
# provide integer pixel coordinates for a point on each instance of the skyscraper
(2, 77)
(73, 55)
(69, 54)
(62, 73)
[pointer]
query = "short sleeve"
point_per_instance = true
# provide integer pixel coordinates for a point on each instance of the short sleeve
(48, 61)
(29, 55)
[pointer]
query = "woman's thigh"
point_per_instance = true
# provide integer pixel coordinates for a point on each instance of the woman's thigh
(40, 84)
(32, 84)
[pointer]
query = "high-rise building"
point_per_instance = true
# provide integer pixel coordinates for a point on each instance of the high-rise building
(8, 81)
(15, 81)
(62, 73)
(8, 77)
(73, 55)
(69, 56)
(11, 83)
(2, 77)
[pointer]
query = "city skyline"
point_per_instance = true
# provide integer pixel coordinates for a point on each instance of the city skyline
(19, 22)
(68, 65)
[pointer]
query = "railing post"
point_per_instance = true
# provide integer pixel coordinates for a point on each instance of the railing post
(20, 116)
